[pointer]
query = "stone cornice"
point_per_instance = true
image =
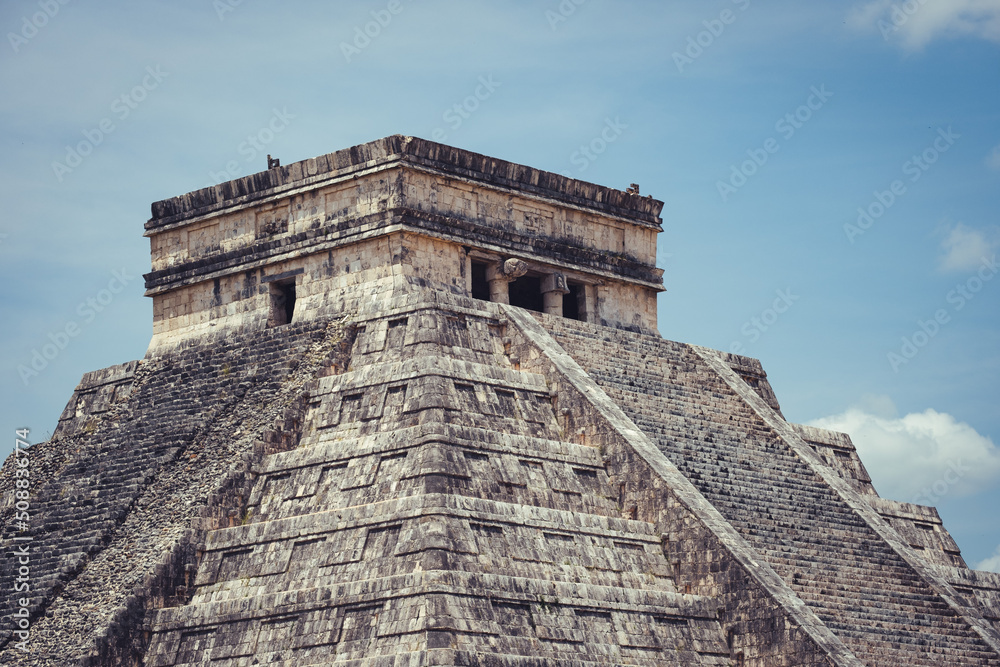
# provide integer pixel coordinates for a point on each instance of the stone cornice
(397, 150)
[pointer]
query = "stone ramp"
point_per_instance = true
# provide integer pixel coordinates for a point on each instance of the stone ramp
(854, 580)
(435, 512)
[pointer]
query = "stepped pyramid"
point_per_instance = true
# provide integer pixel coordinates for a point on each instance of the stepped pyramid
(407, 405)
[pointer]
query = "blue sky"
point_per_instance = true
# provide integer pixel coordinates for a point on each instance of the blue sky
(764, 127)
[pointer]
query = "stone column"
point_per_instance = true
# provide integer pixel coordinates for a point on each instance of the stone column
(553, 288)
(499, 276)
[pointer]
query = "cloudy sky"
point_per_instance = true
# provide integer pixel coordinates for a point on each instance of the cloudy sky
(838, 162)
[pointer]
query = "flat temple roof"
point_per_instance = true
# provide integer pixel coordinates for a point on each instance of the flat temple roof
(403, 149)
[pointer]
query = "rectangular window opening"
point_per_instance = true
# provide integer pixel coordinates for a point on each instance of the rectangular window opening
(480, 287)
(571, 301)
(282, 303)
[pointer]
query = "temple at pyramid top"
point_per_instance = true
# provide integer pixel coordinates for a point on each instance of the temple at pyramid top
(281, 245)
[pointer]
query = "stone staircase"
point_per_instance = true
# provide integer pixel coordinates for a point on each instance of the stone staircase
(860, 587)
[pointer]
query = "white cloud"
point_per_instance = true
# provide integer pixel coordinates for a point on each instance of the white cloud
(993, 159)
(921, 457)
(918, 22)
(991, 564)
(965, 247)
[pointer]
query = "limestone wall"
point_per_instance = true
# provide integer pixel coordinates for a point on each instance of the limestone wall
(501, 210)
(242, 300)
(274, 218)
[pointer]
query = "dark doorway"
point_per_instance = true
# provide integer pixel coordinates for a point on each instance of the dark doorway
(526, 292)
(282, 303)
(571, 301)
(480, 287)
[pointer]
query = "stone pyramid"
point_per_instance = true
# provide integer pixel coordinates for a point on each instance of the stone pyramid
(407, 405)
